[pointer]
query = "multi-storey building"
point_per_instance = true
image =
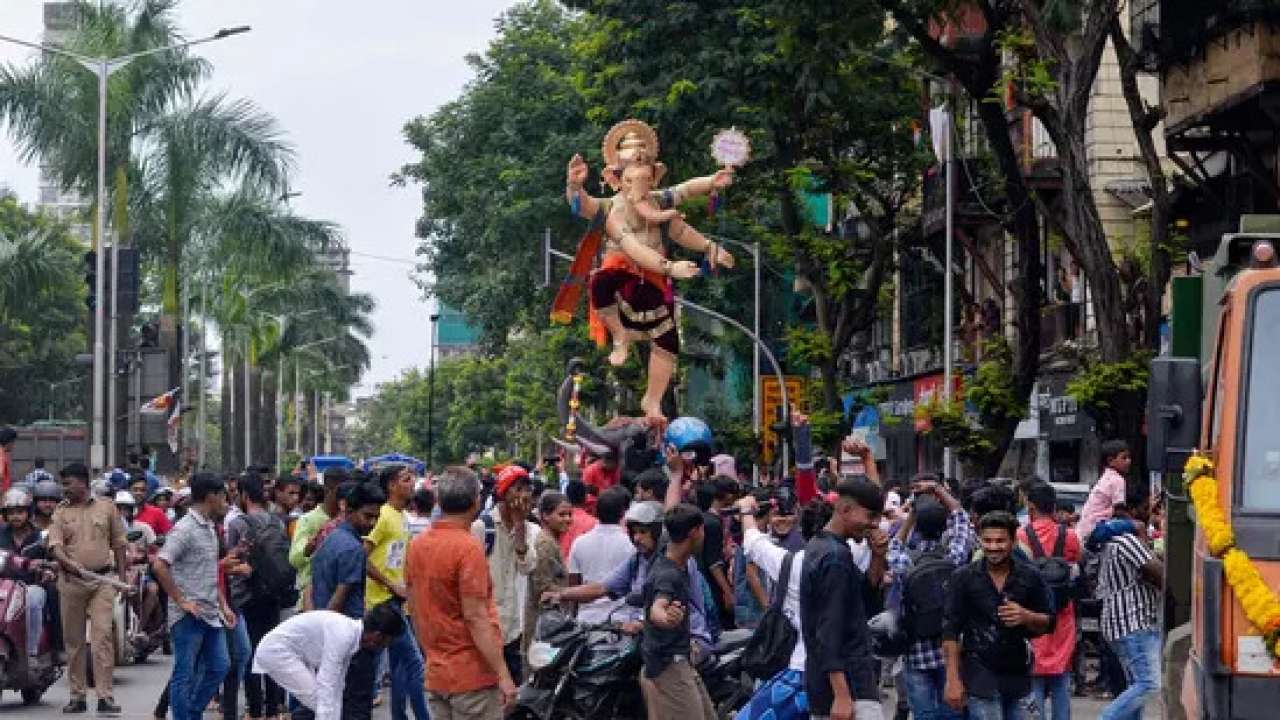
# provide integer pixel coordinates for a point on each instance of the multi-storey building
(901, 374)
(54, 199)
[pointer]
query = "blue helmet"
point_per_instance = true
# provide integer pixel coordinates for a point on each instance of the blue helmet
(689, 434)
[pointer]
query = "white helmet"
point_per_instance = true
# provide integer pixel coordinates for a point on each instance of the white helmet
(124, 497)
(17, 498)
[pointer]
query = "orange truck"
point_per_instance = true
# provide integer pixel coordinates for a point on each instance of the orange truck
(1222, 400)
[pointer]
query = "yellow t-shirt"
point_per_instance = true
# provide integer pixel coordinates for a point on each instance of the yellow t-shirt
(388, 542)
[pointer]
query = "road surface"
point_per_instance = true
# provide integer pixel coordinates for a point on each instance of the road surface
(138, 687)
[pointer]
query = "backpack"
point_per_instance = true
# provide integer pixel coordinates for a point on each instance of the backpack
(769, 650)
(924, 593)
(1058, 574)
(490, 533)
(273, 578)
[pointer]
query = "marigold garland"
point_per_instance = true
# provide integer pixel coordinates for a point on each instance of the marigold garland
(1261, 605)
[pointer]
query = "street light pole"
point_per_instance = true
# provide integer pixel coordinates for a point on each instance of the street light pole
(757, 411)
(103, 68)
(431, 391)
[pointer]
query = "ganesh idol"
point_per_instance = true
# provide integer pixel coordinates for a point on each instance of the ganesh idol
(631, 296)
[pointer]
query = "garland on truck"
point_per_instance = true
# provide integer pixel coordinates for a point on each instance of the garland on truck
(1261, 605)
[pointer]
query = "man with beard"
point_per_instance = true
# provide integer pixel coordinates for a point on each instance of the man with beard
(994, 607)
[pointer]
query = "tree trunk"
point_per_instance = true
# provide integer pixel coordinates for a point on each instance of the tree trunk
(264, 426)
(1023, 225)
(1083, 225)
(1145, 120)
(226, 422)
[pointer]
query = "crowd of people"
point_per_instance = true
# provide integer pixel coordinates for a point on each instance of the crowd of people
(310, 593)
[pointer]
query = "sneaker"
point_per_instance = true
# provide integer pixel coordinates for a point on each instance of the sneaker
(108, 706)
(75, 706)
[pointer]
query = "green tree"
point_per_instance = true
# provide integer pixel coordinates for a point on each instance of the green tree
(157, 134)
(492, 172)
(41, 311)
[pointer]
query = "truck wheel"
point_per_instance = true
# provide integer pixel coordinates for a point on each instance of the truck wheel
(31, 696)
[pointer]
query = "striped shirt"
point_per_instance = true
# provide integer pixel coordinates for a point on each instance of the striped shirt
(1129, 602)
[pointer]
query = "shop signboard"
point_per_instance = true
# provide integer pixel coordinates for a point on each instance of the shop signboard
(771, 406)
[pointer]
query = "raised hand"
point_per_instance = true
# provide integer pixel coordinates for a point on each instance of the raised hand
(577, 171)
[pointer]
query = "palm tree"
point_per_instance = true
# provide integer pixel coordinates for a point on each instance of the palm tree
(274, 297)
(158, 135)
(52, 105)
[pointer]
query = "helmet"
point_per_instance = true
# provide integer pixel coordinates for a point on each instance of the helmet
(16, 498)
(689, 434)
(162, 490)
(887, 638)
(101, 488)
(48, 490)
(124, 497)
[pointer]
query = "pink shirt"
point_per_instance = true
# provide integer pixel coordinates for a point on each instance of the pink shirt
(1103, 498)
(582, 523)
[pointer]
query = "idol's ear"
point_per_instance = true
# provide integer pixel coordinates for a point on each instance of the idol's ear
(659, 170)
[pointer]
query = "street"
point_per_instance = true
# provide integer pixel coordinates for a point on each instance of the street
(138, 687)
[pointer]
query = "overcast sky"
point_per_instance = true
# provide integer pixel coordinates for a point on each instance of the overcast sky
(342, 78)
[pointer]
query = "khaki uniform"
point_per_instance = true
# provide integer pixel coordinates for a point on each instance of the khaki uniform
(89, 534)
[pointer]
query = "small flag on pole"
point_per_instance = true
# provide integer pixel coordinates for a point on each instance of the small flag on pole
(173, 424)
(160, 404)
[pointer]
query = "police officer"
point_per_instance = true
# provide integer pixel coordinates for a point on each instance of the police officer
(85, 537)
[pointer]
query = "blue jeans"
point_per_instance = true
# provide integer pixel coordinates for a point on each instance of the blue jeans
(1139, 653)
(924, 693)
(407, 670)
(997, 708)
(1058, 690)
(200, 663)
(239, 650)
(36, 598)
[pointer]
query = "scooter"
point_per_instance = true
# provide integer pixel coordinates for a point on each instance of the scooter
(30, 676)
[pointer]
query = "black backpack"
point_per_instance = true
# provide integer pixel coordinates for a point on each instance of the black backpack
(924, 593)
(274, 577)
(769, 650)
(490, 533)
(1057, 572)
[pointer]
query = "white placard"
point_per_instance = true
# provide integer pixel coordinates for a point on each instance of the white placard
(1252, 656)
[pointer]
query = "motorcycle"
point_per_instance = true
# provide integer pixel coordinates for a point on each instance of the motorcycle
(726, 681)
(30, 676)
(589, 670)
(579, 671)
(143, 638)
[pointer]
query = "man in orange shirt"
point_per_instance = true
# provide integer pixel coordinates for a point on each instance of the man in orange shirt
(451, 602)
(1051, 674)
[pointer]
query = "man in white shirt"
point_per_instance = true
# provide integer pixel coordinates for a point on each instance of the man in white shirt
(598, 552)
(509, 540)
(310, 653)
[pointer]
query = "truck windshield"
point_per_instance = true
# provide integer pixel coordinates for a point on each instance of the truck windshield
(1262, 425)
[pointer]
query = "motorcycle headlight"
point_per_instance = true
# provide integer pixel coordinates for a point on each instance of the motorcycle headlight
(541, 655)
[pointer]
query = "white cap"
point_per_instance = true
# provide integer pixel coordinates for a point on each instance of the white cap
(124, 497)
(724, 465)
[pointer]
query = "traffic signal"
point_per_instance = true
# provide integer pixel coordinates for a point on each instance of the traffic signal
(129, 279)
(91, 279)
